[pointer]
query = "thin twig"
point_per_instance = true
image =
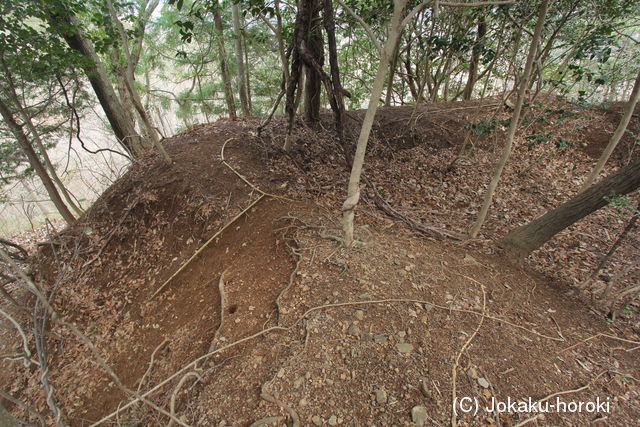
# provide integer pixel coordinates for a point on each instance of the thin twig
(82, 338)
(24, 406)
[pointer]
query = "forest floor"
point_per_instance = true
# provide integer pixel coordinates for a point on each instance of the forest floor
(274, 321)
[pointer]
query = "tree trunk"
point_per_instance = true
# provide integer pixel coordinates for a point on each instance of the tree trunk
(247, 74)
(315, 45)
(294, 83)
(116, 115)
(353, 192)
(475, 58)
(506, 151)
(146, 120)
(129, 77)
(527, 238)
(605, 259)
(224, 65)
(44, 210)
(337, 91)
(281, 46)
(617, 135)
(128, 80)
(120, 74)
(241, 76)
(126, 76)
(392, 70)
(35, 163)
(13, 96)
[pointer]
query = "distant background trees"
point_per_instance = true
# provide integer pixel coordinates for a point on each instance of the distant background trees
(150, 68)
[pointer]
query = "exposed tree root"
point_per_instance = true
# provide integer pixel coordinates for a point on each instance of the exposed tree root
(99, 359)
(292, 277)
(613, 337)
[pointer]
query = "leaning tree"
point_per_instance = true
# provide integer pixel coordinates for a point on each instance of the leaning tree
(523, 240)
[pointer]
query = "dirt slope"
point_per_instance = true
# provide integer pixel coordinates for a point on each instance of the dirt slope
(356, 357)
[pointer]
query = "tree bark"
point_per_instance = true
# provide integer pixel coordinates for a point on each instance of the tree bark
(475, 58)
(146, 120)
(281, 47)
(315, 45)
(527, 238)
(241, 73)
(300, 32)
(247, 74)
(617, 135)
(337, 92)
(35, 162)
(224, 65)
(353, 191)
(116, 115)
(506, 151)
(392, 70)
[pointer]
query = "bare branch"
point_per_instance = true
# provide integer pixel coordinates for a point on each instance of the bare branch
(367, 29)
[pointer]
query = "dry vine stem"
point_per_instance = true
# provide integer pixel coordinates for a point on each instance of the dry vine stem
(174, 395)
(30, 286)
(194, 362)
(264, 394)
(153, 355)
(454, 368)
(246, 181)
(25, 342)
(27, 408)
(613, 337)
(204, 246)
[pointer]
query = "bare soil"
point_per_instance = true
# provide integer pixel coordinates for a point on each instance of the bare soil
(312, 332)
